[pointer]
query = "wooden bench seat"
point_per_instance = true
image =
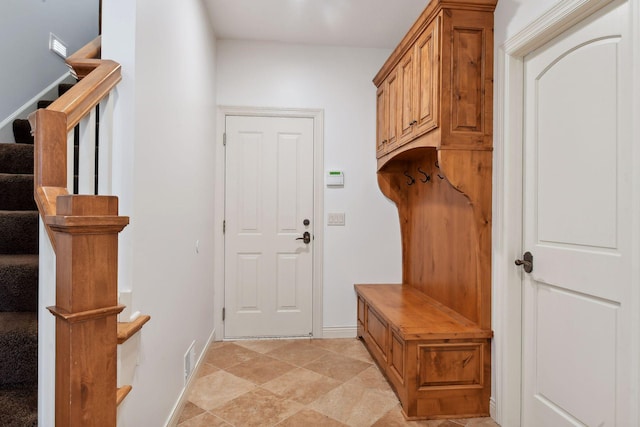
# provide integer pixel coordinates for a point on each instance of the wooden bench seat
(437, 361)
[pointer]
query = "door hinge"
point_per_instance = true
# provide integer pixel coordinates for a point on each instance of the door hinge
(224, 226)
(224, 139)
(224, 313)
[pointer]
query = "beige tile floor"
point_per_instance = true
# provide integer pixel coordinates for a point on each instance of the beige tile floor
(290, 383)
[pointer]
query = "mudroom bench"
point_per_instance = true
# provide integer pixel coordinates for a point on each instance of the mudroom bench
(437, 361)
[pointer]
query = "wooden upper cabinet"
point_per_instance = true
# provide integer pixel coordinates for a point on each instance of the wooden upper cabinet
(467, 89)
(427, 76)
(382, 105)
(406, 72)
(388, 113)
(393, 94)
(443, 70)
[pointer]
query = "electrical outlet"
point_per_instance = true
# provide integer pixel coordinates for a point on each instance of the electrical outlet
(336, 218)
(189, 361)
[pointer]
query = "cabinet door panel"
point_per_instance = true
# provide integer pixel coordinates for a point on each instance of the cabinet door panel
(428, 78)
(406, 76)
(382, 114)
(393, 96)
(467, 53)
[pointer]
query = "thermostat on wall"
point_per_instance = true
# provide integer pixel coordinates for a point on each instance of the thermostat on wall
(335, 179)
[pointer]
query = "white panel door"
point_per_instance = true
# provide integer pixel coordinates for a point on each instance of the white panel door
(268, 209)
(577, 223)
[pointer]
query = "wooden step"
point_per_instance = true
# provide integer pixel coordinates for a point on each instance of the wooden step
(122, 393)
(127, 329)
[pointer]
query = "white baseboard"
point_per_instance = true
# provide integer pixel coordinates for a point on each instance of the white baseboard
(339, 332)
(50, 92)
(182, 399)
(492, 407)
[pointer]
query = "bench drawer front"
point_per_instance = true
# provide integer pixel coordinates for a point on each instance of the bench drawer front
(378, 330)
(450, 365)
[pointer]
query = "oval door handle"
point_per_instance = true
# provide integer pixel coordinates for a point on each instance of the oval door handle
(306, 237)
(526, 262)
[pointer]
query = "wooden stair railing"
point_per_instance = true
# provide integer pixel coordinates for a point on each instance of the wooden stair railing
(83, 230)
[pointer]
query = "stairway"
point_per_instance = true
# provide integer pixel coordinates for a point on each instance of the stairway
(18, 288)
(19, 279)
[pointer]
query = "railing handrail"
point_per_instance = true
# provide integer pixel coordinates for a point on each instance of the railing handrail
(98, 78)
(88, 92)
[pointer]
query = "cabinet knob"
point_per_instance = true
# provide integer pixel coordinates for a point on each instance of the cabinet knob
(413, 123)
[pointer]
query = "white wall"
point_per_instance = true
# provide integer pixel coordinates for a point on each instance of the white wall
(165, 131)
(512, 16)
(338, 80)
(28, 66)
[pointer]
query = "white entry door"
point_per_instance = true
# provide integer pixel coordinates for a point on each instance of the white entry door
(577, 225)
(268, 213)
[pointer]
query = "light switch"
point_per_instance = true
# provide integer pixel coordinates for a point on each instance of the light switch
(335, 218)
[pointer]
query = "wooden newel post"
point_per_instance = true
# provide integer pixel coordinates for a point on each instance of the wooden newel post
(86, 239)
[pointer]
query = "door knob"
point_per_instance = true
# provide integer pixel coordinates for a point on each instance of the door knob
(526, 262)
(306, 237)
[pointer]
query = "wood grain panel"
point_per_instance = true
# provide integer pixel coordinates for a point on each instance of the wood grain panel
(382, 126)
(360, 310)
(466, 91)
(467, 80)
(393, 96)
(450, 364)
(428, 78)
(406, 75)
(396, 363)
(377, 329)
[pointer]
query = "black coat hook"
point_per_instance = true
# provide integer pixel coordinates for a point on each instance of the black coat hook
(438, 166)
(427, 177)
(411, 180)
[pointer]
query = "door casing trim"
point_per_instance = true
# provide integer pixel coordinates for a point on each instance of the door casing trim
(318, 206)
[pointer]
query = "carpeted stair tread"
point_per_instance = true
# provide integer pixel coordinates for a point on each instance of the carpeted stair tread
(44, 104)
(18, 283)
(18, 348)
(16, 158)
(16, 192)
(22, 131)
(64, 87)
(19, 277)
(19, 231)
(19, 406)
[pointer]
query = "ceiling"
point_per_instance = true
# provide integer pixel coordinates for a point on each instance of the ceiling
(358, 23)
